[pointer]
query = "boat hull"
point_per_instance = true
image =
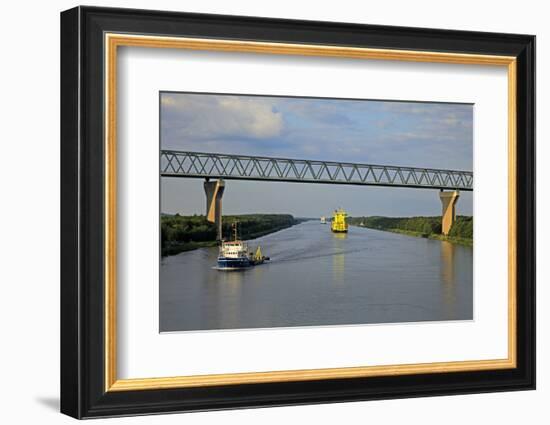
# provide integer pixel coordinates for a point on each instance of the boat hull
(225, 263)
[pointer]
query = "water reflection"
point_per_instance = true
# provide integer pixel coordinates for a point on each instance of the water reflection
(316, 277)
(228, 288)
(447, 270)
(338, 258)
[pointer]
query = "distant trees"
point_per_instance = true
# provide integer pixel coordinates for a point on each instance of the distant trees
(424, 225)
(462, 227)
(180, 233)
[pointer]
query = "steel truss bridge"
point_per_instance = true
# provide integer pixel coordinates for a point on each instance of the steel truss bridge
(242, 167)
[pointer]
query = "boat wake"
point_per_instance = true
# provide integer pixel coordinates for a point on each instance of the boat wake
(230, 269)
(305, 254)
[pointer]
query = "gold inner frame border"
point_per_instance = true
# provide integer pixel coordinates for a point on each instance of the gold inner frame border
(112, 41)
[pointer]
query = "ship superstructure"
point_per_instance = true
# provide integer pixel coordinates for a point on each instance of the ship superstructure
(234, 255)
(339, 223)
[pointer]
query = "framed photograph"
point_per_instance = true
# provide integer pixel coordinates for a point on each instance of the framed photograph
(261, 212)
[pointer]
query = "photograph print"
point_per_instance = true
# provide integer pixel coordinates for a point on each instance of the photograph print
(280, 212)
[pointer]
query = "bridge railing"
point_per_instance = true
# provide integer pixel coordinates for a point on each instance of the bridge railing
(242, 167)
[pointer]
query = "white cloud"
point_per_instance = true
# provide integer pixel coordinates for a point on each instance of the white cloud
(202, 117)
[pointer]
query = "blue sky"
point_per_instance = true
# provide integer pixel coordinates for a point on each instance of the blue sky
(417, 134)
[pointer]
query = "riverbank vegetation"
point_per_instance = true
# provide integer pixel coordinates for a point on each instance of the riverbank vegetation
(462, 231)
(183, 233)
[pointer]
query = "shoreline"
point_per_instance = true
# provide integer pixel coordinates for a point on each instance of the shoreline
(191, 246)
(434, 236)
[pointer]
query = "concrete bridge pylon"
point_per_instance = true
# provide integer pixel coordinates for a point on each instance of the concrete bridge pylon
(214, 192)
(448, 214)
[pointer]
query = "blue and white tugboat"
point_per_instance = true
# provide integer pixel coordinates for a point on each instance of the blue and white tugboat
(234, 254)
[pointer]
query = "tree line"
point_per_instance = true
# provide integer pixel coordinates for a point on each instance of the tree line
(181, 233)
(463, 227)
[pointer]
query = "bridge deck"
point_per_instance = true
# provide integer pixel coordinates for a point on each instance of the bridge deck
(242, 167)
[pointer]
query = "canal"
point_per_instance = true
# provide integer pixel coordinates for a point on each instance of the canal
(317, 278)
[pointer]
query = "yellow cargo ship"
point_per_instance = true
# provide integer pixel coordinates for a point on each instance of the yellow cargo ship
(339, 224)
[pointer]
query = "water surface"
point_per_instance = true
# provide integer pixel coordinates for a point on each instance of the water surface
(318, 278)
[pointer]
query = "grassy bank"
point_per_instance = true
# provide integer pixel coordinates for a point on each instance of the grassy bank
(184, 233)
(426, 227)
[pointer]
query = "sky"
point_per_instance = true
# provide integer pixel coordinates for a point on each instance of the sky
(432, 135)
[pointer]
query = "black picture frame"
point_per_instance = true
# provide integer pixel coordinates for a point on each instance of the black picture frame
(83, 392)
